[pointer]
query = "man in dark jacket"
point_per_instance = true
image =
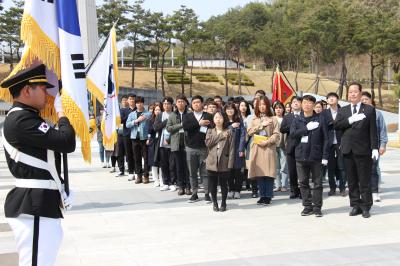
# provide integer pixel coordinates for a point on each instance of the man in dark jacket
(291, 145)
(336, 171)
(195, 125)
(178, 152)
(126, 134)
(311, 133)
(359, 144)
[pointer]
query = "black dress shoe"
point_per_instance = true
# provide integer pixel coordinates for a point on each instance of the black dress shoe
(307, 211)
(215, 207)
(318, 213)
(260, 201)
(332, 192)
(267, 200)
(366, 214)
(223, 208)
(355, 211)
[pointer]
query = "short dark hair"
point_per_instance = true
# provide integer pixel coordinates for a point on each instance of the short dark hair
(297, 98)
(211, 103)
(332, 94)
(309, 98)
(217, 97)
(262, 92)
(124, 97)
(197, 97)
(356, 84)
(139, 99)
(181, 96)
(168, 99)
(320, 103)
(366, 93)
(131, 95)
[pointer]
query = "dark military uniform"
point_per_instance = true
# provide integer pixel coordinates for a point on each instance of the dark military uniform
(33, 207)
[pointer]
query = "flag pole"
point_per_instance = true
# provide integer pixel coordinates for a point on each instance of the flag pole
(283, 73)
(101, 49)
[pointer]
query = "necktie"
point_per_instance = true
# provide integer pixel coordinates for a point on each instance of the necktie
(354, 109)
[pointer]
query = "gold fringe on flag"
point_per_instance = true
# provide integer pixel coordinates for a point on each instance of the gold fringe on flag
(94, 90)
(77, 120)
(40, 44)
(109, 142)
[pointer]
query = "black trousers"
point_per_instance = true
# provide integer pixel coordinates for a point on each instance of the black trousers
(129, 153)
(180, 169)
(121, 154)
(235, 180)
(336, 170)
(213, 179)
(139, 153)
(165, 164)
(312, 198)
(292, 172)
(358, 168)
(250, 182)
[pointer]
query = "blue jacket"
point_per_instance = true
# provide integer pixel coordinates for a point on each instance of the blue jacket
(239, 135)
(381, 129)
(142, 127)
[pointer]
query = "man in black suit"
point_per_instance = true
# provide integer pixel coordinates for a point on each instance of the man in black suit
(291, 145)
(359, 144)
(336, 170)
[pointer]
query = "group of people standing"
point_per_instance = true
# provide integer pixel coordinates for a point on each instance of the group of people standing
(265, 147)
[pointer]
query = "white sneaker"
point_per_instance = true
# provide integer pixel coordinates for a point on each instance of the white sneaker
(236, 195)
(131, 177)
(230, 194)
(156, 183)
(164, 188)
(376, 197)
(104, 165)
(172, 188)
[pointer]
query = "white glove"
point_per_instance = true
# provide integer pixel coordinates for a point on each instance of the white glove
(375, 154)
(57, 103)
(68, 200)
(312, 125)
(356, 118)
(324, 162)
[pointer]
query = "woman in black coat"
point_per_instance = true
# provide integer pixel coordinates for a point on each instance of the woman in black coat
(153, 159)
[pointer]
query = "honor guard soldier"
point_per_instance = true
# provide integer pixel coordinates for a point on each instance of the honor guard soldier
(34, 207)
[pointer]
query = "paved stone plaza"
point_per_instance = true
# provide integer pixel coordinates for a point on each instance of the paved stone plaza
(115, 222)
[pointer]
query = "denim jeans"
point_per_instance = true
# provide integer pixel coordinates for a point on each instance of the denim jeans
(281, 169)
(266, 186)
(101, 151)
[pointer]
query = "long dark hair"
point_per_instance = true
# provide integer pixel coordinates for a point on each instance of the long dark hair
(153, 114)
(268, 112)
(236, 117)
(248, 112)
(225, 124)
(279, 104)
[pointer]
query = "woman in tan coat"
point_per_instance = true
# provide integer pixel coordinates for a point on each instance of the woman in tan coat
(263, 154)
(220, 144)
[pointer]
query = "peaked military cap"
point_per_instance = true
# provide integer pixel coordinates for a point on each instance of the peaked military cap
(31, 76)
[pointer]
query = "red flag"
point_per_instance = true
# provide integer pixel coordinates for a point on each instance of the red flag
(281, 91)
